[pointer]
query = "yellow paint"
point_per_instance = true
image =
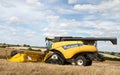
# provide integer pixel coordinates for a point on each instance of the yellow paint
(30, 57)
(70, 52)
(47, 56)
(63, 43)
(18, 58)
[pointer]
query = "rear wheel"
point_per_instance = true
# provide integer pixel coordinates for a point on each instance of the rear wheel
(55, 59)
(81, 61)
(89, 62)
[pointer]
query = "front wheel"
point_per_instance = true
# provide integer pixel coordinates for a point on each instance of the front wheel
(55, 59)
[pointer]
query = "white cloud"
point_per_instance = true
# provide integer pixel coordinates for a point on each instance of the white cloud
(49, 12)
(34, 2)
(52, 1)
(72, 1)
(6, 4)
(92, 28)
(22, 13)
(88, 7)
(108, 6)
(13, 20)
(29, 34)
(52, 18)
(66, 11)
(17, 35)
(52, 32)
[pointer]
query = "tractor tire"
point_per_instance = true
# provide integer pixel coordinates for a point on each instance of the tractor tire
(81, 61)
(100, 58)
(89, 62)
(55, 59)
(14, 52)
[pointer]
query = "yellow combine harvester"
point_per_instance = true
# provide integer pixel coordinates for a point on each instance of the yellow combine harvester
(65, 50)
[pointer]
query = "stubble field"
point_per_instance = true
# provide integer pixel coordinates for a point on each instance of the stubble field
(37, 68)
(29, 68)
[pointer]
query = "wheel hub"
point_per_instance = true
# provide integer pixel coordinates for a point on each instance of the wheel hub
(54, 57)
(80, 62)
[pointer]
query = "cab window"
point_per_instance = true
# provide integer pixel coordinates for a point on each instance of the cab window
(49, 44)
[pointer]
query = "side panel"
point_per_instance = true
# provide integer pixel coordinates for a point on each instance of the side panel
(71, 48)
(63, 43)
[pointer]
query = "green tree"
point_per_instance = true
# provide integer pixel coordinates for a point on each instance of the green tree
(3, 46)
(112, 53)
(26, 45)
(29, 48)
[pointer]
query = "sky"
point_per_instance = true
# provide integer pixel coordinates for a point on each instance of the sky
(30, 21)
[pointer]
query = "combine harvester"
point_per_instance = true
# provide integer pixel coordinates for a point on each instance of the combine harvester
(65, 50)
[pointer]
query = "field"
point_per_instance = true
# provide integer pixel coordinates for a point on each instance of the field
(29, 68)
(37, 68)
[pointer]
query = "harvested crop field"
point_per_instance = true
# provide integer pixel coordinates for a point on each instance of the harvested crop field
(37, 68)
(29, 68)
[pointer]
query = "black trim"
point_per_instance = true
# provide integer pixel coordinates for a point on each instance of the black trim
(86, 39)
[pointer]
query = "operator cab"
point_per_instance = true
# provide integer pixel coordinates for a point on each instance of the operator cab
(49, 42)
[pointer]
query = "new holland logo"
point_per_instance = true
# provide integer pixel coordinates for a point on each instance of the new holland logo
(71, 46)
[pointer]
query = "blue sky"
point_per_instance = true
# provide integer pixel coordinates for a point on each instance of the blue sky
(30, 21)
